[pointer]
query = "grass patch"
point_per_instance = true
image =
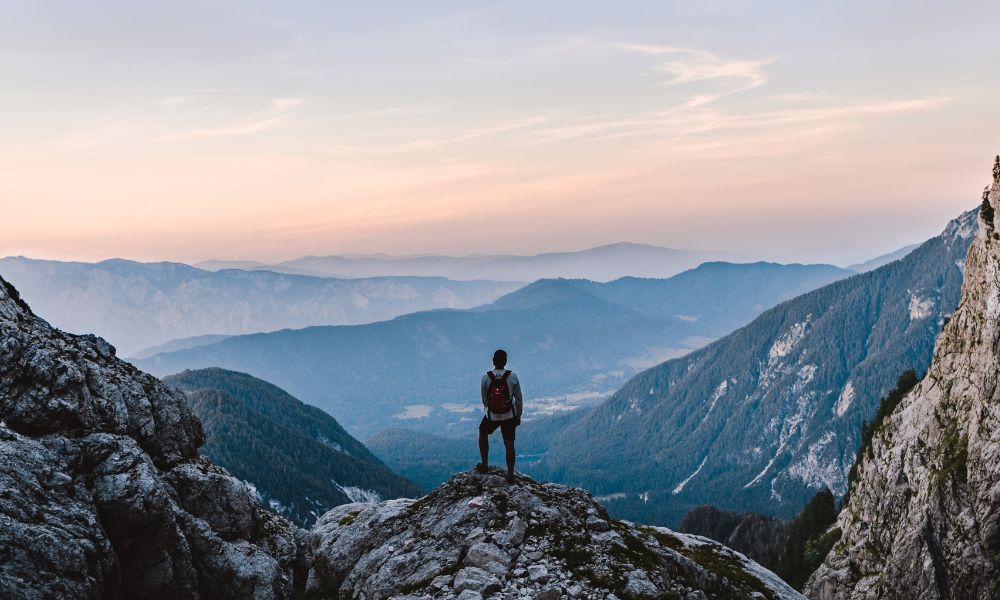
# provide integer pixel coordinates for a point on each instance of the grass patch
(349, 518)
(954, 456)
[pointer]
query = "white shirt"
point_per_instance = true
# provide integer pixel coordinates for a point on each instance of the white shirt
(515, 394)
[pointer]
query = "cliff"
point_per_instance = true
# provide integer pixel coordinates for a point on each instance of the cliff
(923, 519)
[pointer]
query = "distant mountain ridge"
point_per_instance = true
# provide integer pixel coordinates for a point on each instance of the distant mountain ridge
(569, 345)
(762, 418)
(299, 459)
(139, 305)
(603, 263)
(884, 259)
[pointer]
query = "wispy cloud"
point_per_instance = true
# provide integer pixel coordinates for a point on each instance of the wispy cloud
(277, 113)
(694, 66)
(677, 124)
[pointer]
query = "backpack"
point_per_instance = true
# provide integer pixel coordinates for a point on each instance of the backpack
(498, 394)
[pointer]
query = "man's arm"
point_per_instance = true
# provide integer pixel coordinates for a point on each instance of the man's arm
(515, 391)
(483, 386)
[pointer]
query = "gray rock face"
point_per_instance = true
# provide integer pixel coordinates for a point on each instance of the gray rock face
(102, 491)
(528, 540)
(923, 520)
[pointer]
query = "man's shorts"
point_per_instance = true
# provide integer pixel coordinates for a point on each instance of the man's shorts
(507, 427)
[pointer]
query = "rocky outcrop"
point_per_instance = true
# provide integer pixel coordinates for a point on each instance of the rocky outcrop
(923, 519)
(102, 491)
(477, 536)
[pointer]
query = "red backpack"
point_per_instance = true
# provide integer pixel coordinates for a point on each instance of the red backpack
(498, 394)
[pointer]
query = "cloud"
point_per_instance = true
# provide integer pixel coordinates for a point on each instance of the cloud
(697, 66)
(265, 120)
(694, 66)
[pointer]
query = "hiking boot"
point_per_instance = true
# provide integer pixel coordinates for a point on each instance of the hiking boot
(481, 468)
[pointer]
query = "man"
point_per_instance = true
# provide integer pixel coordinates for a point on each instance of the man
(501, 395)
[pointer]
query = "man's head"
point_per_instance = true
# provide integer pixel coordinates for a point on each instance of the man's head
(499, 359)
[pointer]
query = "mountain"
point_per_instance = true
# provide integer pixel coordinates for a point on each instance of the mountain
(138, 305)
(603, 263)
(569, 345)
(761, 419)
(105, 496)
(300, 460)
(921, 520)
(720, 296)
(180, 344)
(476, 536)
(104, 493)
(878, 261)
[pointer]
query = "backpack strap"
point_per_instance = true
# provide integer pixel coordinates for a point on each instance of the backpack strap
(492, 376)
(506, 374)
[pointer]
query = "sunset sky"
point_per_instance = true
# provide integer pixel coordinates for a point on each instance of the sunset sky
(796, 131)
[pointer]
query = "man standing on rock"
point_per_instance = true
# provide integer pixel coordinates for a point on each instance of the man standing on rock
(501, 395)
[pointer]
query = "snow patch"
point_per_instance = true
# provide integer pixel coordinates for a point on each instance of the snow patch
(786, 342)
(609, 497)
(680, 486)
(359, 495)
(845, 399)
(962, 227)
(920, 308)
(332, 444)
(816, 470)
(718, 393)
(688, 318)
(790, 426)
(780, 349)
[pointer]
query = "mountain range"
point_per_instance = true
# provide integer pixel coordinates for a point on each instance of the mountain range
(603, 263)
(762, 418)
(756, 421)
(300, 461)
(137, 305)
(106, 496)
(571, 342)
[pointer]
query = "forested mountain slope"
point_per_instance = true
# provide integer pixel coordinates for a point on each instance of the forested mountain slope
(299, 459)
(762, 418)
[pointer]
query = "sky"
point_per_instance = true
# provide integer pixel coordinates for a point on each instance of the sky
(793, 131)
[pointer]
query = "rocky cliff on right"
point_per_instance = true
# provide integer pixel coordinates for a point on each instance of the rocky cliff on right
(923, 518)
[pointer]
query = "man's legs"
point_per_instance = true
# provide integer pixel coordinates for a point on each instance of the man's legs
(509, 445)
(484, 449)
(486, 427)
